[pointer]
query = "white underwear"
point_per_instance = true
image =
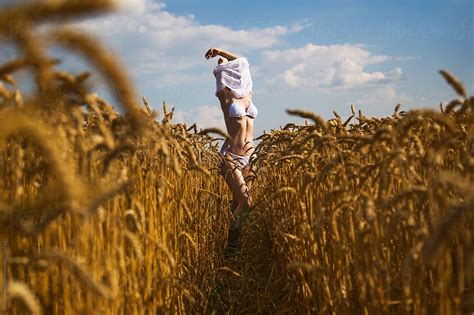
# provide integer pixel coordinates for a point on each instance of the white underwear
(241, 160)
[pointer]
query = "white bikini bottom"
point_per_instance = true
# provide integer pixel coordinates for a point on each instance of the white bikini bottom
(240, 160)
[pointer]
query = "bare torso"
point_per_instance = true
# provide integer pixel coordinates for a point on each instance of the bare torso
(240, 129)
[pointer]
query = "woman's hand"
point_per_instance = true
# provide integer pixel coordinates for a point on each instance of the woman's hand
(211, 53)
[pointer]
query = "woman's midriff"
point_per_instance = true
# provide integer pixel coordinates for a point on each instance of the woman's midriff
(240, 130)
(240, 141)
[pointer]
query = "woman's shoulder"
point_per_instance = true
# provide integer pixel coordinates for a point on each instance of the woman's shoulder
(240, 61)
(243, 60)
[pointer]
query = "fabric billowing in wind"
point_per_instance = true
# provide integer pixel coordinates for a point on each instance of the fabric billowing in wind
(235, 75)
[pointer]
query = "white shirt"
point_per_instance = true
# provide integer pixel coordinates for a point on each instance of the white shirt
(235, 75)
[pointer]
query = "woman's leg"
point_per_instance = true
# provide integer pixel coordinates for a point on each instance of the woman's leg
(236, 182)
(248, 177)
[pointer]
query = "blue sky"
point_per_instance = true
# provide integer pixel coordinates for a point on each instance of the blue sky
(315, 55)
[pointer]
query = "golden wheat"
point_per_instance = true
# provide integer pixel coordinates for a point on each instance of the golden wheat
(121, 214)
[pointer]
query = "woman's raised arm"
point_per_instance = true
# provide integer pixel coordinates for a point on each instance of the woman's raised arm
(211, 53)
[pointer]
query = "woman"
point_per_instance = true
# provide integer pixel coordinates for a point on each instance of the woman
(234, 90)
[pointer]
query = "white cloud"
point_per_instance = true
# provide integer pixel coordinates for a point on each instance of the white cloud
(204, 116)
(394, 74)
(162, 49)
(132, 6)
(330, 67)
(160, 39)
(165, 54)
(378, 96)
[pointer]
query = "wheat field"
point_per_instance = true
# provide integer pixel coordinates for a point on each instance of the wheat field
(108, 211)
